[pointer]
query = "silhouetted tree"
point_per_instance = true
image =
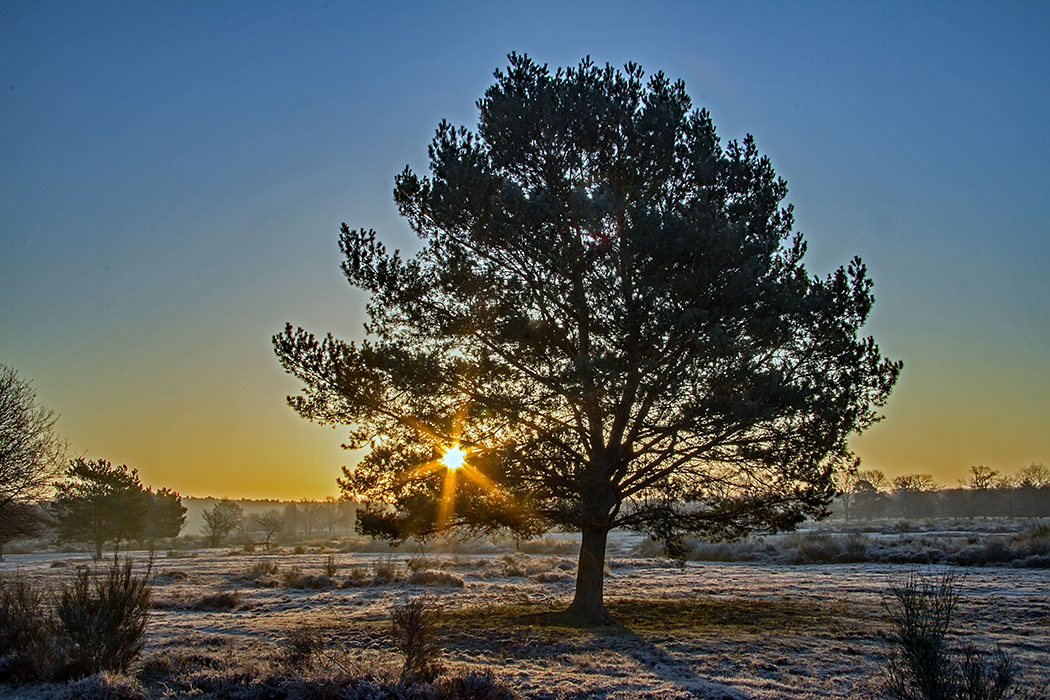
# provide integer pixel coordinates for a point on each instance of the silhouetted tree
(610, 314)
(223, 518)
(330, 513)
(980, 497)
(1033, 481)
(22, 520)
(31, 456)
(310, 514)
(165, 517)
(846, 480)
(100, 503)
(269, 523)
(868, 502)
(914, 495)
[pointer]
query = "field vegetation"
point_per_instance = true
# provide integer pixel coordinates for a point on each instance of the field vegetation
(784, 617)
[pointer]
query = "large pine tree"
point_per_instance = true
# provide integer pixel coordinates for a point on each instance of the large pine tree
(609, 318)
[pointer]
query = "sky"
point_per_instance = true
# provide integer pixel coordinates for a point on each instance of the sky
(173, 176)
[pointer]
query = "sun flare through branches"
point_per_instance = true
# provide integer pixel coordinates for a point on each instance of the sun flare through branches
(454, 458)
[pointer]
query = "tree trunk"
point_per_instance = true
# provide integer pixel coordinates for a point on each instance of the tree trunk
(588, 606)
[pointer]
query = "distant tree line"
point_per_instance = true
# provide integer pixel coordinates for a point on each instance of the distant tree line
(226, 521)
(984, 493)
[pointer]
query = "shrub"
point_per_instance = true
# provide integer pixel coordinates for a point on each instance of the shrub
(356, 577)
(412, 628)
(30, 644)
(103, 686)
(105, 616)
(922, 665)
(474, 685)
(416, 563)
(301, 644)
(386, 568)
(435, 578)
(262, 573)
(291, 576)
(329, 566)
(224, 600)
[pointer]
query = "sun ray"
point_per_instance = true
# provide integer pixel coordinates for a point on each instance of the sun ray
(448, 498)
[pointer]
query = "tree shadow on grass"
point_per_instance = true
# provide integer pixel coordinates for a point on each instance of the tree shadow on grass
(537, 632)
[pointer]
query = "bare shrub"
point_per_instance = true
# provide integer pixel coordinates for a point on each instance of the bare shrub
(356, 577)
(301, 645)
(923, 666)
(105, 615)
(30, 644)
(475, 685)
(435, 578)
(290, 577)
(550, 545)
(984, 680)
(329, 566)
(412, 628)
(294, 577)
(262, 573)
(224, 600)
(103, 686)
(416, 563)
(385, 568)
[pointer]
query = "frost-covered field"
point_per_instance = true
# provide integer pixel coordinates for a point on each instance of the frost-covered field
(709, 630)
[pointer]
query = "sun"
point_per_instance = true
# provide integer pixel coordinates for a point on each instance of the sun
(453, 458)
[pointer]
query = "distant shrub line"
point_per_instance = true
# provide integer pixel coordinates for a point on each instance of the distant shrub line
(1028, 549)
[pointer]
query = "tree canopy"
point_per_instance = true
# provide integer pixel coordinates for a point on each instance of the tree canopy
(99, 502)
(609, 315)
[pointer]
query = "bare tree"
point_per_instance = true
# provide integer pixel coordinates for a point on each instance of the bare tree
(329, 513)
(270, 523)
(311, 514)
(1033, 482)
(875, 478)
(846, 481)
(221, 520)
(31, 456)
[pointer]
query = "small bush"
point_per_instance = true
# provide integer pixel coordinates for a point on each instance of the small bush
(30, 644)
(224, 600)
(386, 568)
(262, 573)
(103, 686)
(435, 578)
(330, 568)
(301, 645)
(923, 666)
(291, 576)
(416, 563)
(550, 545)
(412, 628)
(356, 578)
(474, 685)
(105, 616)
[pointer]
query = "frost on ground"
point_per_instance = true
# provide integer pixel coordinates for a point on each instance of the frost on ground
(709, 630)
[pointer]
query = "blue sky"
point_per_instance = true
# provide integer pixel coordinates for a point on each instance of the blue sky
(173, 176)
